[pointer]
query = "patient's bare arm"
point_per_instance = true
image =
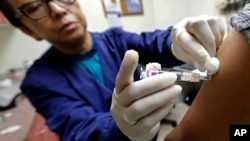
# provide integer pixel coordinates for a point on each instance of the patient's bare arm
(222, 101)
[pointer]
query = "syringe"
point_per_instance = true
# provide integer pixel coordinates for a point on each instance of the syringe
(181, 76)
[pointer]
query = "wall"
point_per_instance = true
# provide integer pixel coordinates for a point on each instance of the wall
(15, 47)
(94, 13)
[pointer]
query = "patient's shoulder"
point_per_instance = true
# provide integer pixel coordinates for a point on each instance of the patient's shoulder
(222, 101)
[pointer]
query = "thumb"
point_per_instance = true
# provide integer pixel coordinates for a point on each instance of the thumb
(126, 73)
(212, 65)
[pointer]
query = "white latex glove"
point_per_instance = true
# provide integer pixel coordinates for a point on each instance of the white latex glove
(138, 107)
(196, 40)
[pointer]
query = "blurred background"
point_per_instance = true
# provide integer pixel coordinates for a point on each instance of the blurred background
(18, 51)
(156, 14)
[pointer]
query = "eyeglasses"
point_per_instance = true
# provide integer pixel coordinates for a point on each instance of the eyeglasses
(38, 9)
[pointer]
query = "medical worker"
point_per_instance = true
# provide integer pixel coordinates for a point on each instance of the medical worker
(78, 84)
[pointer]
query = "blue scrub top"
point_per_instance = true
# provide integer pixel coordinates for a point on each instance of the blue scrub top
(89, 61)
(75, 104)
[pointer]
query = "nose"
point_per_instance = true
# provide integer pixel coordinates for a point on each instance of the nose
(56, 11)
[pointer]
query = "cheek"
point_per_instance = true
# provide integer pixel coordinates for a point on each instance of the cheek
(29, 28)
(83, 21)
(43, 26)
(78, 12)
(40, 30)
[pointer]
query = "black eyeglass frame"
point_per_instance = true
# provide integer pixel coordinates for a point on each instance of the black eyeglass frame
(20, 11)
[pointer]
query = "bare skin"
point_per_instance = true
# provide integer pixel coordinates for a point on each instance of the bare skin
(221, 101)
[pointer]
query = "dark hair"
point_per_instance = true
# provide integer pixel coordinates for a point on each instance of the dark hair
(9, 13)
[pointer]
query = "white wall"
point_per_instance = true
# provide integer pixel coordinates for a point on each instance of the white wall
(169, 12)
(15, 47)
(97, 22)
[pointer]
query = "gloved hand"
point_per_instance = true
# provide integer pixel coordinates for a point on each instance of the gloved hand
(138, 107)
(196, 40)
